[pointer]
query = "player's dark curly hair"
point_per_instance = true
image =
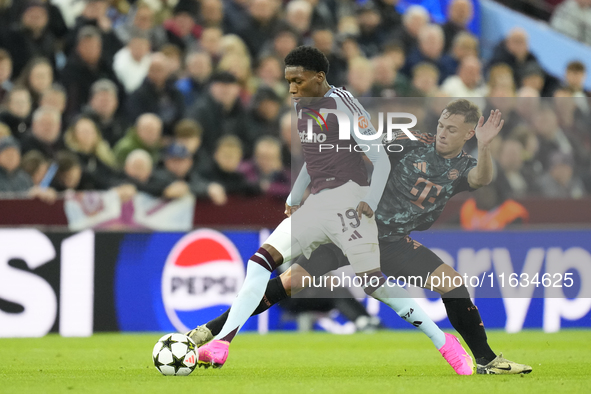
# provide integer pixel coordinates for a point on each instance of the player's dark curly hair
(309, 58)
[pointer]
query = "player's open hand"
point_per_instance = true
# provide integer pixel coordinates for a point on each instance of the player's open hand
(289, 210)
(485, 132)
(364, 209)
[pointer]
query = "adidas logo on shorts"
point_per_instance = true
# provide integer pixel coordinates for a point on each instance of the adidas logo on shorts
(355, 235)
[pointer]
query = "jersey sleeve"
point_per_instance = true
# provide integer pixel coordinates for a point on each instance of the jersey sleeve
(299, 187)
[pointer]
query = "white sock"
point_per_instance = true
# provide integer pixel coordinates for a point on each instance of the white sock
(400, 300)
(248, 298)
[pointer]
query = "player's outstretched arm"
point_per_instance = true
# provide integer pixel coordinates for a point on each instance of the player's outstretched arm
(482, 174)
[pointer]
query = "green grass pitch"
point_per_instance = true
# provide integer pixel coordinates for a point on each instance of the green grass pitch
(389, 361)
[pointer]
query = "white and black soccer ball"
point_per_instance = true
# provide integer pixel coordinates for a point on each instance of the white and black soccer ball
(175, 355)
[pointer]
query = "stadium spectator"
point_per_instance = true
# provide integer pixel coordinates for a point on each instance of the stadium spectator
(514, 51)
(145, 135)
(211, 42)
(424, 80)
(138, 171)
(391, 19)
(459, 16)
(551, 137)
(263, 115)
(141, 18)
(574, 121)
(179, 166)
(181, 29)
(232, 44)
(157, 95)
(227, 158)
(284, 42)
(174, 60)
(388, 82)
(54, 97)
(467, 82)
(31, 37)
(324, 41)
(298, 16)
(512, 181)
(96, 158)
(36, 165)
(102, 108)
(69, 10)
(95, 14)
(189, 133)
(219, 111)
(269, 73)
(573, 18)
(464, 45)
(260, 25)
(236, 13)
(5, 73)
(239, 65)
(360, 77)
(501, 76)
(69, 172)
(527, 105)
(85, 66)
(198, 66)
(12, 177)
(414, 19)
(574, 77)
(265, 170)
(132, 62)
(350, 48)
(17, 111)
(37, 77)
(212, 15)
(371, 35)
(430, 49)
(560, 181)
(395, 53)
(45, 133)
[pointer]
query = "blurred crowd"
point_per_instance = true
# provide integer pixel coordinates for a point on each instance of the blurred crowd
(171, 97)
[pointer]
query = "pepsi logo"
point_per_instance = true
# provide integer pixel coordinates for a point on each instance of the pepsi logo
(202, 270)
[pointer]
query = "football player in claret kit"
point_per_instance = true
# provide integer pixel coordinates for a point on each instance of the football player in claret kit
(424, 176)
(339, 189)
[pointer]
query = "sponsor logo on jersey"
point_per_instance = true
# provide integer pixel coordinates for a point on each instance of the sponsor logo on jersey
(202, 270)
(317, 117)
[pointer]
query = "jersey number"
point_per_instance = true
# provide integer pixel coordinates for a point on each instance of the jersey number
(350, 214)
(426, 190)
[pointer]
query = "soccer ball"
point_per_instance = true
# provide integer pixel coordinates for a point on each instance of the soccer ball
(175, 355)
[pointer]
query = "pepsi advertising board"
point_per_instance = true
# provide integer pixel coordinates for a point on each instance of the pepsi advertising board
(173, 281)
(80, 283)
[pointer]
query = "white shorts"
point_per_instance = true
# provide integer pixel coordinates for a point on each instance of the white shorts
(329, 216)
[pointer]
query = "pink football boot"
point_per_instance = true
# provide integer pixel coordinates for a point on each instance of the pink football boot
(456, 356)
(214, 354)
